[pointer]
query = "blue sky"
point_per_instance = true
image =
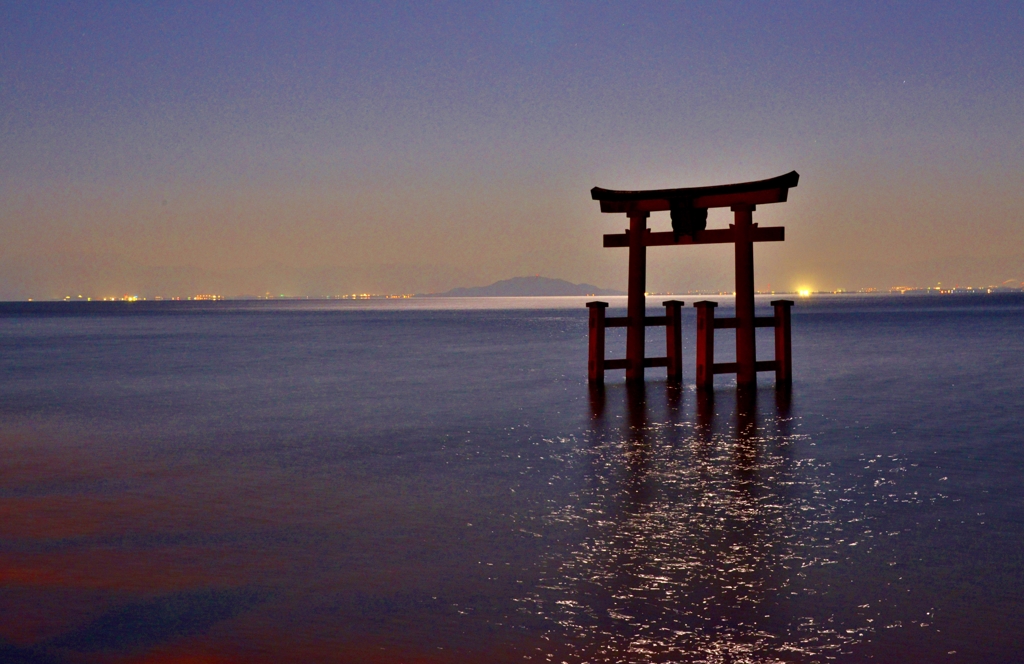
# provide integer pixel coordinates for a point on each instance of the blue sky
(320, 147)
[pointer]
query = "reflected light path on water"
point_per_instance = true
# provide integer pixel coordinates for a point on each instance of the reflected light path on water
(694, 534)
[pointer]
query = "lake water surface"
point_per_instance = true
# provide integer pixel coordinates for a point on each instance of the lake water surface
(432, 480)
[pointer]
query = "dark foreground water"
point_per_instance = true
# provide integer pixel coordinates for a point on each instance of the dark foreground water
(431, 481)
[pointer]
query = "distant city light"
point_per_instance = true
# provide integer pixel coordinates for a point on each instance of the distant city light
(803, 292)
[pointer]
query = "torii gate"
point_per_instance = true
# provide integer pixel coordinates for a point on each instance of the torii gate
(692, 204)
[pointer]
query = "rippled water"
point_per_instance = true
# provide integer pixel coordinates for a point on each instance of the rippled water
(433, 481)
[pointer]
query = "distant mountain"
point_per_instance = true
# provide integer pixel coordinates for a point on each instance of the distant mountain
(528, 287)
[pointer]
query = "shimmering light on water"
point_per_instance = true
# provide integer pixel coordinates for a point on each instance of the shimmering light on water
(434, 481)
(701, 539)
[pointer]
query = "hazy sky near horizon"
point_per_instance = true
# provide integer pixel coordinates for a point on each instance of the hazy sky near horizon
(321, 148)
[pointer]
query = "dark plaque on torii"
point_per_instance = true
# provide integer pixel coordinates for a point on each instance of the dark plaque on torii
(689, 209)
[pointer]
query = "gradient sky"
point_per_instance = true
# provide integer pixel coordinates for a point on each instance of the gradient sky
(317, 149)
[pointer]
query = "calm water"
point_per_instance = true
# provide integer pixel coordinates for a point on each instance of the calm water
(432, 481)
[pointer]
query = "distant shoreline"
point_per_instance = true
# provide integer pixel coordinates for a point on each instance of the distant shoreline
(439, 296)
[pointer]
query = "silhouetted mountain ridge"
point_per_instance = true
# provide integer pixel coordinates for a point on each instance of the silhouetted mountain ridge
(529, 287)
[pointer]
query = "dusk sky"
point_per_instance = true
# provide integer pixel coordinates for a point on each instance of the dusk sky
(327, 148)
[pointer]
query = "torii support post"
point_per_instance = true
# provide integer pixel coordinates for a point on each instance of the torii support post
(674, 339)
(595, 362)
(705, 344)
(783, 342)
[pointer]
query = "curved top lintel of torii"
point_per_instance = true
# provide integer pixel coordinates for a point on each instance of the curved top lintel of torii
(761, 192)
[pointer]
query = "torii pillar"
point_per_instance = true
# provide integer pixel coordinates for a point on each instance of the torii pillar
(636, 302)
(746, 340)
(742, 199)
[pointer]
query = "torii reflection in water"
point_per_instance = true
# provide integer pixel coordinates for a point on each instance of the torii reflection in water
(688, 537)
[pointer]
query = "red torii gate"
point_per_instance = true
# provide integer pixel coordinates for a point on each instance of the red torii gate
(741, 198)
